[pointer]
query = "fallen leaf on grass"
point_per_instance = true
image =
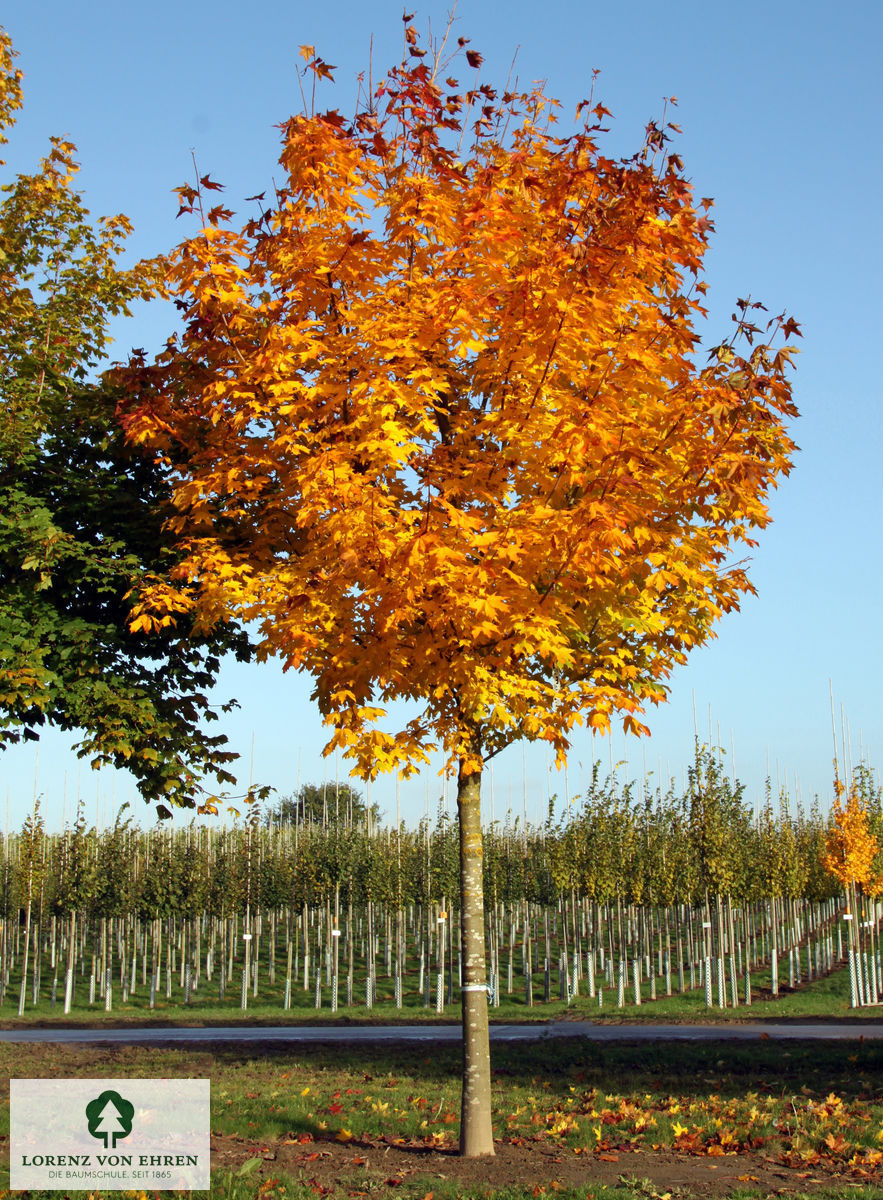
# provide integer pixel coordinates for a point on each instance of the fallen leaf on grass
(747, 1178)
(837, 1145)
(609, 1157)
(435, 1141)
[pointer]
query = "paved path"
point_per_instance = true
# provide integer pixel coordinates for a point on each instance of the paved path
(446, 1033)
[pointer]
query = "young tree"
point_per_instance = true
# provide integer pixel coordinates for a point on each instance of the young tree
(82, 511)
(850, 845)
(443, 435)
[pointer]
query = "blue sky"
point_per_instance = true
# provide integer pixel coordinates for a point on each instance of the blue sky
(780, 107)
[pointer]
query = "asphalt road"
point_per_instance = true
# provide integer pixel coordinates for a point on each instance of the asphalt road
(447, 1033)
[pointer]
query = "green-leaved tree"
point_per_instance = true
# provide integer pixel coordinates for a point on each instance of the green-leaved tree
(81, 511)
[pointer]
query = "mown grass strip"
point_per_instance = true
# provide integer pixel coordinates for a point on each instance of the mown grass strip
(814, 1111)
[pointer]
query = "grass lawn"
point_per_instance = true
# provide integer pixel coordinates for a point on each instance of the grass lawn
(571, 1118)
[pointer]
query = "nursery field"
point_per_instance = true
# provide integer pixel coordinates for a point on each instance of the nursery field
(571, 1119)
(685, 900)
(635, 908)
(825, 1000)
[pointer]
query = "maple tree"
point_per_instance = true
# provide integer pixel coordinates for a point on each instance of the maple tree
(81, 510)
(439, 429)
(850, 846)
(850, 850)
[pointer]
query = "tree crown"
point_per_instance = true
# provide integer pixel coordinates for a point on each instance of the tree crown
(439, 424)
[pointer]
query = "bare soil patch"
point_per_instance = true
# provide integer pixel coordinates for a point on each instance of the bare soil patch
(361, 1167)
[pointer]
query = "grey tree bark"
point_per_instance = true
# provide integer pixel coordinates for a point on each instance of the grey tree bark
(476, 1133)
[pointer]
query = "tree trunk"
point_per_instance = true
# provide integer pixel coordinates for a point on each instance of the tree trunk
(476, 1134)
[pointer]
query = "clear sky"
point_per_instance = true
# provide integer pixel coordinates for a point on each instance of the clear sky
(780, 106)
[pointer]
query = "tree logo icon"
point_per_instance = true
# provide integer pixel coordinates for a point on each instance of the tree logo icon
(110, 1117)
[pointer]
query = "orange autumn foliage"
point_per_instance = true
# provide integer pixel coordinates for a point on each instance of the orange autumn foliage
(851, 847)
(439, 426)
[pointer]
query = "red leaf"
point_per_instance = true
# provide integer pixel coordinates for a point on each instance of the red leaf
(219, 213)
(323, 69)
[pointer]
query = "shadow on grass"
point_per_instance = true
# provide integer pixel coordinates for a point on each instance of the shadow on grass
(851, 1069)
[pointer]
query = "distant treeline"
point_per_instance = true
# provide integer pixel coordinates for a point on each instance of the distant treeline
(616, 841)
